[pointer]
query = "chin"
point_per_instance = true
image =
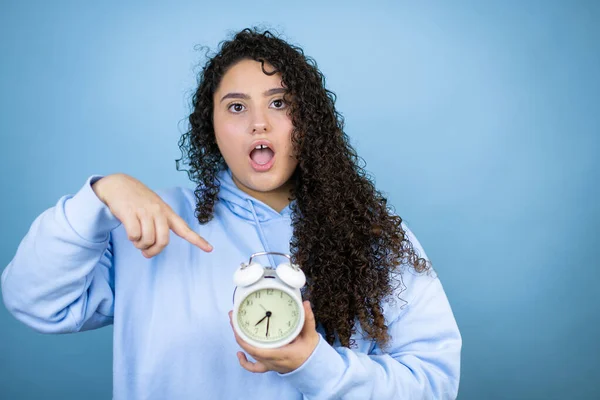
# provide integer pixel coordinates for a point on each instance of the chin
(274, 178)
(264, 182)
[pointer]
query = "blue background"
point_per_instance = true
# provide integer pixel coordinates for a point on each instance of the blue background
(479, 120)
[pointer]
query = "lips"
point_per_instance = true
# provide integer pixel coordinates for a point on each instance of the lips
(262, 155)
(261, 142)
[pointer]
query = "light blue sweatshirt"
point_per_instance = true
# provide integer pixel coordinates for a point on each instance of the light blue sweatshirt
(76, 270)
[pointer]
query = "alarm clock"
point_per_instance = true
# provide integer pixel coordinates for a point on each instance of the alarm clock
(267, 302)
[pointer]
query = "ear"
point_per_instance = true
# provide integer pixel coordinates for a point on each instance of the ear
(291, 275)
(247, 275)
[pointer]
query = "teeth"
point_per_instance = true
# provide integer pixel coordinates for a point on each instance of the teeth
(261, 146)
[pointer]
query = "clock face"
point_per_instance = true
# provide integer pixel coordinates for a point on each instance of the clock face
(268, 315)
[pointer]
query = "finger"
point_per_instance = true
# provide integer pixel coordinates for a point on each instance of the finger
(257, 367)
(132, 226)
(161, 227)
(259, 354)
(181, 229)
(242, 343)
(263, 354)
(148, 234)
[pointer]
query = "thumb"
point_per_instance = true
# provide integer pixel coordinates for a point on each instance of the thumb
(182, 229)
(309, 318)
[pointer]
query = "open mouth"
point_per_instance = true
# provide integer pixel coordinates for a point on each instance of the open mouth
(262, 156)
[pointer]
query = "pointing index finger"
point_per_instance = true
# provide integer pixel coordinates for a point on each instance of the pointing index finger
(182, 229)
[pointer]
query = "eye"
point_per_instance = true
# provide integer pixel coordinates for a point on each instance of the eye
(279, 104)
(236, 108)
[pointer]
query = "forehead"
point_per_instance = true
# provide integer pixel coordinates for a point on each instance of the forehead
(247, 75)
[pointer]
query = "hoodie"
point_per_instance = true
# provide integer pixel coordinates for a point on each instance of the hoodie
(75, 270)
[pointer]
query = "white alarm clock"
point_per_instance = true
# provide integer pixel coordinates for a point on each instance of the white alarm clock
(267, 303)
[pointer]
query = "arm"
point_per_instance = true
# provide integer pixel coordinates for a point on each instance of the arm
(60, 279)
(422, 361)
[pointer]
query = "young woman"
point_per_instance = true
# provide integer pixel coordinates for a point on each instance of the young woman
(274, 172)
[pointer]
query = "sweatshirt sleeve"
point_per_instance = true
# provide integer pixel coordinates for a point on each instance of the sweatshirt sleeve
(421, 362)
(60, 279)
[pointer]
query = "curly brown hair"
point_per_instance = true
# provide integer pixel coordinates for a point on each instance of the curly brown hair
(346, 239)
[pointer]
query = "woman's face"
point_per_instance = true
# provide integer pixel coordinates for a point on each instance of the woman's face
(253, 131)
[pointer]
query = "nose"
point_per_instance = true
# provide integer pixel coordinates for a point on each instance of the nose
(260, 123)
(259, 128)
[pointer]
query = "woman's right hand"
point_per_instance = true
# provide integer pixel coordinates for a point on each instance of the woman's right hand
(146, 217)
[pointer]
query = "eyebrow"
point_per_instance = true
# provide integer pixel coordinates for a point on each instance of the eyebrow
(244, 96)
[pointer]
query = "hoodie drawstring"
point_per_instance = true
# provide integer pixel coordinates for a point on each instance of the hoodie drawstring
(261, 234)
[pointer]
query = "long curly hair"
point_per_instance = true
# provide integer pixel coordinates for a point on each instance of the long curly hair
(346, 239)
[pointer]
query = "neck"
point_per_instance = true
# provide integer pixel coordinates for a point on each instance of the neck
(277, 199)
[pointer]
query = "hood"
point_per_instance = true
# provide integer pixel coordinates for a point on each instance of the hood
(243, 205)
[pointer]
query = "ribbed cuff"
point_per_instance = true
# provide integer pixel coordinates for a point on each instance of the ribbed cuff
(324, 367)
(88, 215)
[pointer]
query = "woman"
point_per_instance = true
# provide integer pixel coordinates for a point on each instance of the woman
(274, 172)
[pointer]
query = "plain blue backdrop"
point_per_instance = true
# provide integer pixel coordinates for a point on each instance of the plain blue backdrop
(479, 120)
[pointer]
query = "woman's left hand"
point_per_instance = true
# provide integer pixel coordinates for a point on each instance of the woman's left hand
(284, 359)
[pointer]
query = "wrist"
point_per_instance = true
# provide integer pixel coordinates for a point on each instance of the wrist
(312, 341)
(99, 187)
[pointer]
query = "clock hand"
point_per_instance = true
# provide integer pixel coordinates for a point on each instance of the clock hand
(263, 318)
(268, 319)
(263, 307)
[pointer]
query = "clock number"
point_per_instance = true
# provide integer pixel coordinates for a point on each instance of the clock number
(246, 323)
(255, 330)
(280, 332)
(249, 302)
(289, 323)
(290, 302)
(257, 295)
(294, 313)
(243, 313)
